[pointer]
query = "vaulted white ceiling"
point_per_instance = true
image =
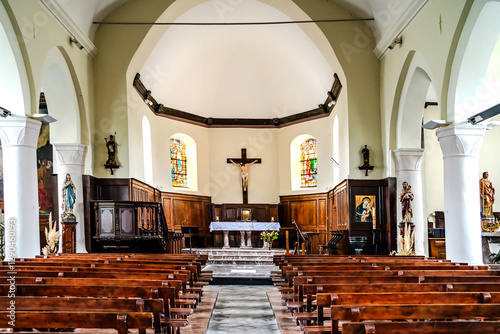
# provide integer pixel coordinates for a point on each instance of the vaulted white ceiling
(243, 71)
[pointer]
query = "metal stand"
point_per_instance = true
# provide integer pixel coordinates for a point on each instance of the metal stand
(190, 230)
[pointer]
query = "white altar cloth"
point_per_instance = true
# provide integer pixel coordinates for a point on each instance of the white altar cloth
(244, 226)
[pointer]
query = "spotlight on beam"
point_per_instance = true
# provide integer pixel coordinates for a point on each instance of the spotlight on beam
(482, 116)
(5, 112)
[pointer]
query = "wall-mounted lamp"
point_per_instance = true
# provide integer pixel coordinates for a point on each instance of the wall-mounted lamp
(4, 112)
(396, 41)
(435, 124)
(76, 42)
(45, 118)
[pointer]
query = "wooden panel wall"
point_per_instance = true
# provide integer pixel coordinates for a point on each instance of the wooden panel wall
(176, 207)
(308, 211)
(344, 214)
(194, 208)
(232, 212)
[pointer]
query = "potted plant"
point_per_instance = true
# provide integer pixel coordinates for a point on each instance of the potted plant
(269, 237)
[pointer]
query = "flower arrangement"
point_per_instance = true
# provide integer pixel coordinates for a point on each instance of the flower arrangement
(52, 238)
(269, 237)
(406, 242)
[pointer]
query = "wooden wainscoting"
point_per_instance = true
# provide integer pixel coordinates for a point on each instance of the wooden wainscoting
(309, 212)
(194, 208)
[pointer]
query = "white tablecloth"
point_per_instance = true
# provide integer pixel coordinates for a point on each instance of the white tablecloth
(244, 226)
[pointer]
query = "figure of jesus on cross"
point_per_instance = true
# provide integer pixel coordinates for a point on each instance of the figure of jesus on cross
(243, 163)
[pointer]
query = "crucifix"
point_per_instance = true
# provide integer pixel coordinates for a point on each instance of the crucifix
(243, 163)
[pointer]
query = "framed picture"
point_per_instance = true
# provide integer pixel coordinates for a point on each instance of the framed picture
(246, 214)
(365, 209)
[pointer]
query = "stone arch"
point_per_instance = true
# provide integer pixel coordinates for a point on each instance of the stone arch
(15, 90)
(58, 85)
(411, 91)
(476, 40)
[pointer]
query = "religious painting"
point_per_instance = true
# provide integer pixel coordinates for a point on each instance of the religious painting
(309, 164)
(246, 214)
(365, 209)
(178, 163)
(44, 163)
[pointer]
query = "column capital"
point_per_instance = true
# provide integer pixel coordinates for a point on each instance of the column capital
(19, 132)
(408, 159)
(70, 154)
(461, 140)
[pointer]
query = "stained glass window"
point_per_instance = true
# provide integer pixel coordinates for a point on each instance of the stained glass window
(178, 163)
(309, 164)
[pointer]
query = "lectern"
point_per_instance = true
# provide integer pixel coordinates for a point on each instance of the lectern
(189, 230)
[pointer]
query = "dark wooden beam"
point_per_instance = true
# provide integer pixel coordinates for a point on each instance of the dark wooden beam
(323, 110)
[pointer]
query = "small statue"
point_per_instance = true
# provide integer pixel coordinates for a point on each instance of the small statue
(406, 197)
(487, 193)
(366, 160)
(111, 145)
(68, 197)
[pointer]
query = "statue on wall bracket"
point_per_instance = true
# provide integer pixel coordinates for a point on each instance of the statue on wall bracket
(366, 160)
(111, 146)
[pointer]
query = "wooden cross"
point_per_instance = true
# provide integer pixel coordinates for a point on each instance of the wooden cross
(243, 163)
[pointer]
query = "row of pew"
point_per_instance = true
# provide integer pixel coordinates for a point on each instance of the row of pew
(102, 291)
(388, 294)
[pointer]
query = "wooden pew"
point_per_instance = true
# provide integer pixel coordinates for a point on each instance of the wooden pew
(166, 295)
(422, 327)
(87, 304)
(100, 320)
(410, 311)
(325, 300)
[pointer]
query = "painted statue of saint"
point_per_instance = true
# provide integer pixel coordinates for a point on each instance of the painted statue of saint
(487, 195)
(406, 197)
(68, 198)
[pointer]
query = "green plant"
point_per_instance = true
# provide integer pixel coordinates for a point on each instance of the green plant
(269, 237)
(495, 257)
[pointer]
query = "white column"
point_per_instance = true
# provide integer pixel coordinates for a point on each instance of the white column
(70, 160)
(19, 141)
(408, 169)
(461, 145)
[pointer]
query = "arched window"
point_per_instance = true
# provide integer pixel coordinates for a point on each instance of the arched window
(308, 163)
(336, 151)
(146, 146)
(178, 163)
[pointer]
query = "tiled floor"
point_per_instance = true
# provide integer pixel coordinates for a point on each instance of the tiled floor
(242, 309)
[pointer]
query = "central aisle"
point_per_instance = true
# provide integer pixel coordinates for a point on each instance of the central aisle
(242, 309)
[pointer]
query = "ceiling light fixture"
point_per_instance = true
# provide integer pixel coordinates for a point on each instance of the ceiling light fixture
(76, 42)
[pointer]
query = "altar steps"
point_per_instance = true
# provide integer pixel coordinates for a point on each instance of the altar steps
(241, 256)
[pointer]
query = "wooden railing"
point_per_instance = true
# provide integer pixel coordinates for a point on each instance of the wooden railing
(126, 224)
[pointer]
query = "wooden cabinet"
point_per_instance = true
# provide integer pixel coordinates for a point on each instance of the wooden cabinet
(437, 248)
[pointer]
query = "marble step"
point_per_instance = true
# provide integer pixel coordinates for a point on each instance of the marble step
(244, 256)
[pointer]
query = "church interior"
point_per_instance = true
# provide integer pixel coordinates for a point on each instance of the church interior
(123, 130)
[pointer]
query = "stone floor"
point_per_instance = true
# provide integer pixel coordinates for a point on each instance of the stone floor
(241, 304)
(242, 309)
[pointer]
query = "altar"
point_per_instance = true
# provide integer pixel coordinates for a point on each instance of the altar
(245, 228)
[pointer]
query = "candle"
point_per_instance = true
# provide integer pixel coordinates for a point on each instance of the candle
(272, 219)
(217, 218)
